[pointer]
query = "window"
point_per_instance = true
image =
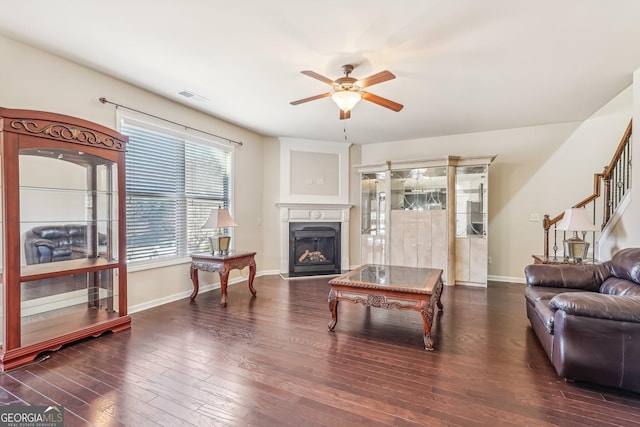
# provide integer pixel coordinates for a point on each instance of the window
(173, 181)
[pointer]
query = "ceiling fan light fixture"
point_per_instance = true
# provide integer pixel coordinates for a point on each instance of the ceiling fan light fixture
(346, 99)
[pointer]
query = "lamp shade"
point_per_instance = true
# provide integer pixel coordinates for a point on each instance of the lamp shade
(219, 218)
(346, 99)
(576, 219)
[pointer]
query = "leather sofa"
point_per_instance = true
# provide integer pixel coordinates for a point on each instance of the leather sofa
(57, 243)
(587, 318)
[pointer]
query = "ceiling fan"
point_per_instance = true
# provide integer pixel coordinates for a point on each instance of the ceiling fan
(347, 91)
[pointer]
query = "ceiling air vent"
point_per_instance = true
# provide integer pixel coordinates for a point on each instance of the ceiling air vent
(192, 96)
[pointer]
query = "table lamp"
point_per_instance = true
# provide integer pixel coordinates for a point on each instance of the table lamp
(218, 219)
(576, 219)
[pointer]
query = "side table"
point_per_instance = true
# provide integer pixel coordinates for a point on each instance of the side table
(223, 264)
(540, 259)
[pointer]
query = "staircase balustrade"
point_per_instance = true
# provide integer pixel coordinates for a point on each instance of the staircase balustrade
(615, 180)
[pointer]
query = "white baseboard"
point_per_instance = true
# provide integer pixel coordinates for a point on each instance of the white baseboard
(184, 294)
(268, 273)
(209, 287)
(507, 279)
(470, 284)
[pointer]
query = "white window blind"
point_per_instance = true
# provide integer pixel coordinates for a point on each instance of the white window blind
(172, 184)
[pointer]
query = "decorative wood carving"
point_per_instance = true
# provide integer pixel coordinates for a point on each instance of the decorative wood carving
(67, 133)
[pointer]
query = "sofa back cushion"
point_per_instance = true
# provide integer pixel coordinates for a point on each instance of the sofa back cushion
(616, 286)
(625, 264)
(50, 232)
(588, 277)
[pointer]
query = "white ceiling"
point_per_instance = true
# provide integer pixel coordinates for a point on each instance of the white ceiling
(461, 65)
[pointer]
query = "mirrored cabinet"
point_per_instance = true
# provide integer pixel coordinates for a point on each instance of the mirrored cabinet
(373, 214)
(429, 213)
(63, 234)
(472, 197)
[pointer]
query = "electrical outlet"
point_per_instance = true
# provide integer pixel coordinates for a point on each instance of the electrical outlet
(489, 260)
(534, 217)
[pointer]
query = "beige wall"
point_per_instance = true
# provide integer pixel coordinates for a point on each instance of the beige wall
(271, 213)
(524, 179)
(540, 169)
(39, 81)
(314, 174)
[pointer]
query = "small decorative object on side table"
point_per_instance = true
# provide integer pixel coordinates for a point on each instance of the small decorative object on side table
(223, 264)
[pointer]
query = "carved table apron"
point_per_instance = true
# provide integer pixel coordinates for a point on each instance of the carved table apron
(223, 264)
(383, 286)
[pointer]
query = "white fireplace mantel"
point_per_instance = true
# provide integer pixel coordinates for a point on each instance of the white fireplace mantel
(313, 213)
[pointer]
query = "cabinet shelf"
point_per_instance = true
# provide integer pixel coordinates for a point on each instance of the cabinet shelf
(65, 190)
(65, 268)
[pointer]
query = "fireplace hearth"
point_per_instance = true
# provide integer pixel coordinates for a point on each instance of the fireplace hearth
(314, 248)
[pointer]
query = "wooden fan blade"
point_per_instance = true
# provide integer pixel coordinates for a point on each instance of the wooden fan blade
(311, 98)
(383, 102)
(345, 115)
(317, 76)
(380, 77)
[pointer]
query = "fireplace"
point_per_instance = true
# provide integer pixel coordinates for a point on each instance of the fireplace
(297, 216)
(314, 248)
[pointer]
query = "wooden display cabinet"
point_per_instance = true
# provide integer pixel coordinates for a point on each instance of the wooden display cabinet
(64, 274)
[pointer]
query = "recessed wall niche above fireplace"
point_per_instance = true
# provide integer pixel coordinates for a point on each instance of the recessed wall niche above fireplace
(314, 248)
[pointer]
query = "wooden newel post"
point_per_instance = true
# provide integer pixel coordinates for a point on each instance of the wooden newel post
(546, 224)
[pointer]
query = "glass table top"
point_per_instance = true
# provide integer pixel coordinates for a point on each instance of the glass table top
(391, 276)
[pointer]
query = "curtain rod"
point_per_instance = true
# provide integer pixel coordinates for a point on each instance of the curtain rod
(106, 101)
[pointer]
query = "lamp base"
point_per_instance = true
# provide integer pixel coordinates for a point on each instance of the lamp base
(575, 249)
(220, 244)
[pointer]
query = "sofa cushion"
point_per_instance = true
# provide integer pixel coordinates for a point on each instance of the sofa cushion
(50, 232)
(625, 264)
(534, 294)
(598, 306)
(545, 314)
(539, 297)
(587, 277)
(61, 253)
(622, 287)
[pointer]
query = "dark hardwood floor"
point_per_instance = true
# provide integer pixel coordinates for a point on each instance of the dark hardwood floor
(270, 361)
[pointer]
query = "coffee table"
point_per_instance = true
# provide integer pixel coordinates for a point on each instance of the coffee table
(387, 286)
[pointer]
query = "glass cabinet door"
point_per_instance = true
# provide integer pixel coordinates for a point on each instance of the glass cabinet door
(373, 203)
(471, 201)
(68, 228)
(68, 206)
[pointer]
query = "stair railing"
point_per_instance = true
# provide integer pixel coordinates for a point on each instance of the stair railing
(616, 180)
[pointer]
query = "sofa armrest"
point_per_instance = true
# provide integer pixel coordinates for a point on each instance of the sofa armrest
(43, 242)
(600, 306)
(588, 277)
